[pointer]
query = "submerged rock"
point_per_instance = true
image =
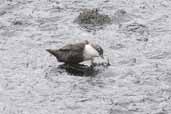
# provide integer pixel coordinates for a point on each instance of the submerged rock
(91, 18)
(121, 16)
(2, 13)
(17, 23)
(137, 29)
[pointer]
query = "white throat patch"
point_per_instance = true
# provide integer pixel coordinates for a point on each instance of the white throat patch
(89, 52)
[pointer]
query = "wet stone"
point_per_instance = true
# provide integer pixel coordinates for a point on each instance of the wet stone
(121, 16)
(117, 111)
(161, 113)
(120, 12)
(136, 29)
(117, 46)
(92, 19)
(142, 39)
(2, 13)
(20, 23)
(8, 33)
(17, 23)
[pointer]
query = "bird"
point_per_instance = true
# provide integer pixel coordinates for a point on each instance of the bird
(77, 53)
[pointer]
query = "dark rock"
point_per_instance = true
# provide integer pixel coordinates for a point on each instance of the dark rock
(92, 18)
(142, 39)
(162, 113)
(137, 28)
(120, 12)
(2, 13)
(17, 23)
(117, 46)
(140, 31)
(121, 16)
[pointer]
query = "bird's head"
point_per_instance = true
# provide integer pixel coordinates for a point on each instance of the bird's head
(99, 50)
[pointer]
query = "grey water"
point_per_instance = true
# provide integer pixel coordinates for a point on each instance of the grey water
(137, 43)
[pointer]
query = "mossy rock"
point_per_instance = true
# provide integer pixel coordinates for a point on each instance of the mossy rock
(92, 18)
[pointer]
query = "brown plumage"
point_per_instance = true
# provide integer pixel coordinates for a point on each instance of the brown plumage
(76, 53)
(70, 54)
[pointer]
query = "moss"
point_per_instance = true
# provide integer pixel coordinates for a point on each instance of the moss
(93, 17)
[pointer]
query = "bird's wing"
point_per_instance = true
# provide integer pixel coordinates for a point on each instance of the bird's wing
(72, 53)
(73, 47)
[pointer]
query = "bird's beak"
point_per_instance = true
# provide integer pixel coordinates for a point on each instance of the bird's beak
(102, 56)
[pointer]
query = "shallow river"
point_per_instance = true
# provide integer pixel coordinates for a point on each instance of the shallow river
(137, 82)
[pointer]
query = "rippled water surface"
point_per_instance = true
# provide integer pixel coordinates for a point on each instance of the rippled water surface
(138, 45)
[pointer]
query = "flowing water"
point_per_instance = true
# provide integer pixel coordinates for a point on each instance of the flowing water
(137, 43)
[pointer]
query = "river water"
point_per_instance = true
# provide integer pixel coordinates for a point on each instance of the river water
(138, 46)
